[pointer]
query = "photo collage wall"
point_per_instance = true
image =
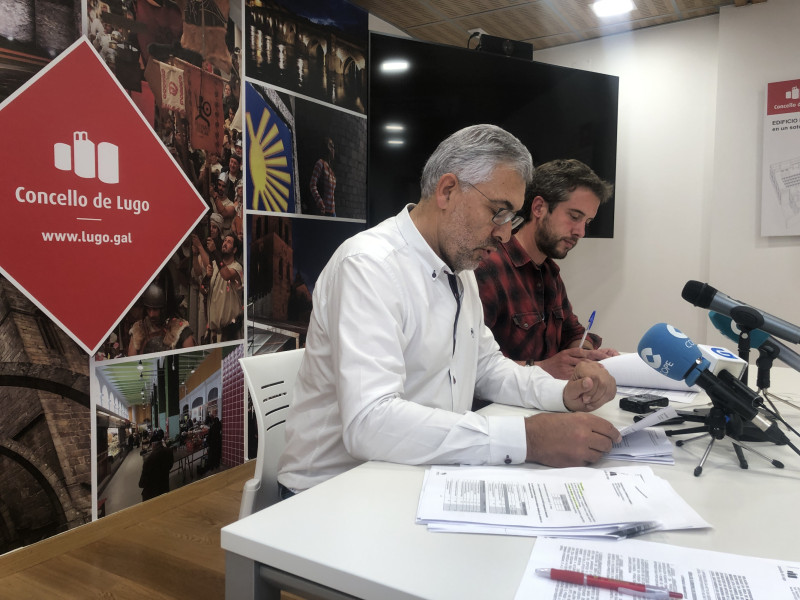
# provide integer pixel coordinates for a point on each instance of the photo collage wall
(306, 128)
(261, 107)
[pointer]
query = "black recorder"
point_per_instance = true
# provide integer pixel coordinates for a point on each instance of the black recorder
(642, 403)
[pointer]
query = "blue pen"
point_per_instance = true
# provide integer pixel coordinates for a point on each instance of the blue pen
(591, 320)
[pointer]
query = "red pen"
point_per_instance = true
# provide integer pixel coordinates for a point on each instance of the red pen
(642, 590)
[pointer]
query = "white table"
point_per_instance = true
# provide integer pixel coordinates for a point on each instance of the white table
(355, 536)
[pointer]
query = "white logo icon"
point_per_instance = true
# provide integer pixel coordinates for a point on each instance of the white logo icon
(724, 353)
(81, 159)
(676, 332)
(654, 360)
(793, 94)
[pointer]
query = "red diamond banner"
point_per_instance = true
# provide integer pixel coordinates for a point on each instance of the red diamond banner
(93, 202)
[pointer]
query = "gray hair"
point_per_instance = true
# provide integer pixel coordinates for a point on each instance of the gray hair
(472, 154)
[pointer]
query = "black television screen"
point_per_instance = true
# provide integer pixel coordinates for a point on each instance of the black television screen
(557, 112)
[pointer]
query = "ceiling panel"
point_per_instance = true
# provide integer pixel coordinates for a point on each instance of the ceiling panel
(543, 23)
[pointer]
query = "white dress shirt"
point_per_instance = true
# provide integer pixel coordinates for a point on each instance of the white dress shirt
(381, 379)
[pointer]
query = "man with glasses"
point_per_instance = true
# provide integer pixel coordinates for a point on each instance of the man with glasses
(396, 346)
(525, 302)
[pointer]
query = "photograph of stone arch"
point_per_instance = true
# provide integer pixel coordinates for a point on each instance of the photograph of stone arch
(45, 432)
(317, 48)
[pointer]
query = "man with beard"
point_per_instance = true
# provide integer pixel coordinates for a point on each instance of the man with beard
(225, 295)
(397, 349)
(524, 300)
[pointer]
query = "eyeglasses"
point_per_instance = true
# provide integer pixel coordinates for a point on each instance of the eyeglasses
(503, 215)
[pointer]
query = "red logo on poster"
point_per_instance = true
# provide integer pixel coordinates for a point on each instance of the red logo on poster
(92, 201)
(783, 97)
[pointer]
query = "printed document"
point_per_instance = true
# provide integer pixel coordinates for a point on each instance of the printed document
(580, 501)
(697, 574)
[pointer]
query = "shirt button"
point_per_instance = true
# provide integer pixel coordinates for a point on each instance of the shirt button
(525, 325)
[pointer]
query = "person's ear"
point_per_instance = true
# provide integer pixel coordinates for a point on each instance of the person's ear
(538, 207)
(444, 190)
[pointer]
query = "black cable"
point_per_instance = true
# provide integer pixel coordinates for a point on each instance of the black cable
(780, 419)
(793, 447)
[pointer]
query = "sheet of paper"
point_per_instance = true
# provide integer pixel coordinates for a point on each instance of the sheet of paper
(697, 574)
(650, 420)
(631, 371)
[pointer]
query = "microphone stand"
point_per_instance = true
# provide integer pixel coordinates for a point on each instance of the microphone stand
(725, 419)
(766, 356)
(747, 319)
(718, 423)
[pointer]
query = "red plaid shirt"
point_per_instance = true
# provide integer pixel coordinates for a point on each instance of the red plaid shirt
(526, 306)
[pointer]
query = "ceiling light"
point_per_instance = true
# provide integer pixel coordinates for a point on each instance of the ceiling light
(394, 66)
(394, 127)
(610, 8)
(395, 142)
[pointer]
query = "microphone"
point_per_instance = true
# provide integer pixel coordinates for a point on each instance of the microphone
(705, 296)
(670, 352)
(758, 339)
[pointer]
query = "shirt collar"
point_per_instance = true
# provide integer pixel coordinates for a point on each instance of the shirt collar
(519, 257)
(430, 260)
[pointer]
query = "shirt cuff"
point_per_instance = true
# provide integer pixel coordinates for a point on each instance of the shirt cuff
(508, 443)
(550, 390)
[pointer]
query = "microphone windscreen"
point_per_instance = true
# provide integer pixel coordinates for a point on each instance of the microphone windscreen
(725, 326)
(697, 293)
(669, 351)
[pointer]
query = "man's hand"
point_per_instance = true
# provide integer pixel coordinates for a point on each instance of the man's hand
(568, 440)
(602, 353)
(589, 388)
(562, 365)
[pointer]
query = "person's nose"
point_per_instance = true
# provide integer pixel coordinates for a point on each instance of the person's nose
(502, 232)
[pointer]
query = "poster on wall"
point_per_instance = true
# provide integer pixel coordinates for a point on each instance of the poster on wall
(314, 48)
(304, 157)
(285, 256)
(161, 422)
(95, 224)
(780, 182)
(126, 168)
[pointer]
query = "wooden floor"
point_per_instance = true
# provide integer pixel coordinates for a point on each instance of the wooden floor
(165, 549)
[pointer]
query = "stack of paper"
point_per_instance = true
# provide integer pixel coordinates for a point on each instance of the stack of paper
(646, 445)
(578, 502)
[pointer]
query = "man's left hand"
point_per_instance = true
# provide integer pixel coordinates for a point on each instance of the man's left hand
(590, 386)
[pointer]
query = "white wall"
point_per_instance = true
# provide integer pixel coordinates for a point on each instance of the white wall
(688, 173)
(664, 178)
(758, 45)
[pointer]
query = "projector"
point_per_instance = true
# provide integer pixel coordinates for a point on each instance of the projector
(498, 45)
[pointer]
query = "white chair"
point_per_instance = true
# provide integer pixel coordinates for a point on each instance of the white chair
(270, 379)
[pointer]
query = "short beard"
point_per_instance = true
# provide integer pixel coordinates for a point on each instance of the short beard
(547, 243)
